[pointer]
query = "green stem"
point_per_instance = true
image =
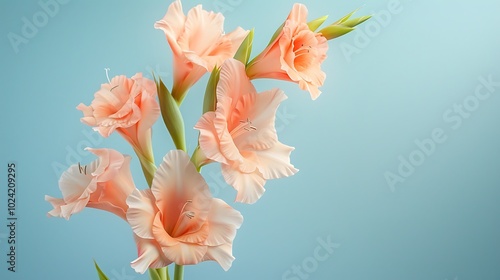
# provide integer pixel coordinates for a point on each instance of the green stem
(159, 273)
(148, 167)
(179, 272)
(163, 272)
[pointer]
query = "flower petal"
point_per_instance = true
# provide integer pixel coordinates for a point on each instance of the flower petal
(233, 82)
(150, 255)
(274, 163)
(56, 203)
(172, 25)
(223, 254)
(250, 186)
(141, 213)
(298, 13)
(208, 140)
(224, 221)
(185, 254)
(110, 163)
(201, 30)
(263, 117)
(177, 184)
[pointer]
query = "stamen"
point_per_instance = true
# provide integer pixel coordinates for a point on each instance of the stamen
(82, 170)
(185, 204)
(181, 222)
(189, 214)
(302, 50)
(107, 76)
(245, 125)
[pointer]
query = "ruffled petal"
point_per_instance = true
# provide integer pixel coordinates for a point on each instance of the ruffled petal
(233, 82)
(223, 221)
(222, 254)
(110, 163)
(149, 255)
(77, 182)
(172, 25)
(185, 254)
(274, 162)
(177, 186)
(141, 213)
(263, 117)
(250, 186)
(208, 140)
(202, 32)
(56, 203)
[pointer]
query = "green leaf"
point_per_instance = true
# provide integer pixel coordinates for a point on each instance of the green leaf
(245, 49)
(334, 31)
(345, 18)
(101, 274)
(276, 33)
(356, 21)
(171, 115)
(315, 24)
(210, 99)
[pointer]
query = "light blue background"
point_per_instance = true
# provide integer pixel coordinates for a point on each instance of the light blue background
(440, 223)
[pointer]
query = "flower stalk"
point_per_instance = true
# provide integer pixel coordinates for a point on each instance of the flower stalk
(179, 272)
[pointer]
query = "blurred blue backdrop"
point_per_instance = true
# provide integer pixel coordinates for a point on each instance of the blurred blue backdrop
(399, 157)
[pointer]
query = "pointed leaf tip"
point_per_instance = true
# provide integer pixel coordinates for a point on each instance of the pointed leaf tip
(171, 115)
(345, 18)
(356, 21)
(101, 274)
(210, 99)
(315, 24)
(335, 31)
(245, 49)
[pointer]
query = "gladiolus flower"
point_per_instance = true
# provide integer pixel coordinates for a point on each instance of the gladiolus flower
(198, 43)
(295, 55)
(241, 135)
(129, 106)
(103, 184)
(178, 220)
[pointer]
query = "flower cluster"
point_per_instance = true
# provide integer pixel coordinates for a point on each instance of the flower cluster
(177, 220)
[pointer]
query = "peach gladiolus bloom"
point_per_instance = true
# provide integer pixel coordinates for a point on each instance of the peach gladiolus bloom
(241, 135)
(127, 105)
(103, 184)
(198, 43)
(178, 220)
(295, 55)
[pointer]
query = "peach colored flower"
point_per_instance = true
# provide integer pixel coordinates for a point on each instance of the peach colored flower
(198, 43)
(295, 55)
(177, 220)
(103, 184)
(241, 135)
(127, 105)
